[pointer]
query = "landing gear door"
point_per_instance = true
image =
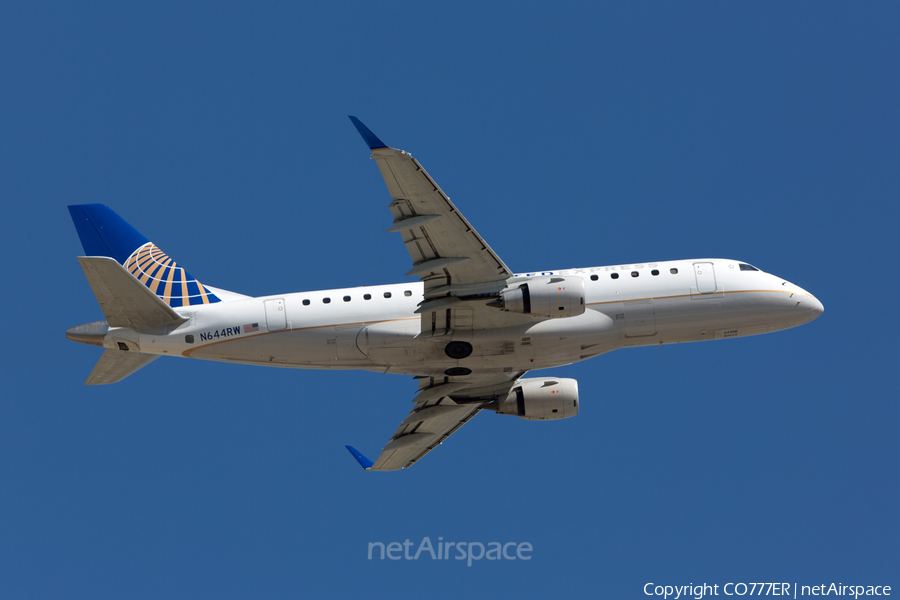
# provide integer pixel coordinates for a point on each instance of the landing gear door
(276, 319)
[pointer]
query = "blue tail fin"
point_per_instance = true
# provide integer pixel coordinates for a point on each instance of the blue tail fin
(104, 233)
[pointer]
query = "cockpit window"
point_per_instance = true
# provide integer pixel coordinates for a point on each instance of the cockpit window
(746, 267)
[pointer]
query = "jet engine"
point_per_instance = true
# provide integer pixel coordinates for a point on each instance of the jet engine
(554, 297)
(541, 399)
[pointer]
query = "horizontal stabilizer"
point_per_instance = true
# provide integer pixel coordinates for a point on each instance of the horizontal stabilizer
(116, 365)
(124, 300)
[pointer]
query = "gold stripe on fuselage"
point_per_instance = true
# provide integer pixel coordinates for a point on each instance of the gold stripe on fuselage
(700, 295)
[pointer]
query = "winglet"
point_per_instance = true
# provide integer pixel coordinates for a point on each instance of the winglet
(364, 462)
(370, 138)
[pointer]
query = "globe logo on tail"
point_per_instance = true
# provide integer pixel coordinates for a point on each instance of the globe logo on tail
(175, 286)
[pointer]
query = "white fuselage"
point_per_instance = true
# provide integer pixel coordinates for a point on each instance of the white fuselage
(376, 327)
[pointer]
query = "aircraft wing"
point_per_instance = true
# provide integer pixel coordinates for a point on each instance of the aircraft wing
(426, 426)
(439, 411)
(446, 251)
(460, 272)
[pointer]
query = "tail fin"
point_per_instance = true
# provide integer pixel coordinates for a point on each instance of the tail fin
(104, 233)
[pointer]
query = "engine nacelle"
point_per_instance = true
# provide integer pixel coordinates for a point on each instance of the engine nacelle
(554, 297)
(541, 399)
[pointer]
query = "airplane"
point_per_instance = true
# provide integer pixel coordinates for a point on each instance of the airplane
(468, 330)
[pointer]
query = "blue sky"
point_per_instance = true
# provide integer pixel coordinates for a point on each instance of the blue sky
(569, 135)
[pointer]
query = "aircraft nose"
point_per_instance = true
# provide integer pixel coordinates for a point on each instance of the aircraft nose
(815, 307)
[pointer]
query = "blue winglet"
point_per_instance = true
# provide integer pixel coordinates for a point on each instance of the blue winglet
(364, 462)
(370, 138)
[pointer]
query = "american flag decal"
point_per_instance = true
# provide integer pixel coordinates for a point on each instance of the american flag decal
(251, 327)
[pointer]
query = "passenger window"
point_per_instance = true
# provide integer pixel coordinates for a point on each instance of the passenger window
(673, 271)
(367, 296)
(306, 303)
(407, 293)
(654, 272)
(614, 275)
(387, 294)
(326, 300)
(346, 298)
(634, 273)
(189, 339)
(594, 278)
